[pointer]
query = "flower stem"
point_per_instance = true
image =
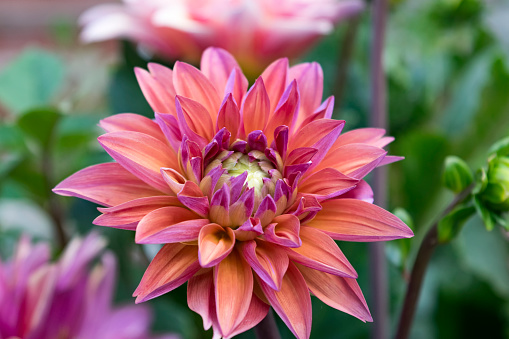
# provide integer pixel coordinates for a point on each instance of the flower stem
(267, 328)
(378, 265)
(428, 245)
(345, 57)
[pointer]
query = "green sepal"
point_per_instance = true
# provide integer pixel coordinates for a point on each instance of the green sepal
(450, 226)
(485, 214)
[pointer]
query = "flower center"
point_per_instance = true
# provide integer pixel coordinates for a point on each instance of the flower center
(255, 163)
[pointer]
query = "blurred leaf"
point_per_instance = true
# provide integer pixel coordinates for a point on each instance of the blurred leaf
(486, 253)
(450, 226)
(39, 124)
(419, 180)
(397, 251)
(30, 80)
(76, 131)
(12, 149)
(28, 177)
(467, 93)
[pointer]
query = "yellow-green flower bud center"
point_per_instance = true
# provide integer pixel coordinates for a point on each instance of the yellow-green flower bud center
(257, 168)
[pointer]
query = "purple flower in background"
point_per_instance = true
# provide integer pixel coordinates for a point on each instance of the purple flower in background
(68, 299)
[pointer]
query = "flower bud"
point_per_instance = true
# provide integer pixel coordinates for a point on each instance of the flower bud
(457, 175)
(496, 193)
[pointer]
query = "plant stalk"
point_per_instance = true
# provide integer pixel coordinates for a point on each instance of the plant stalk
(426, 249)
(378, 264)
(267, 328)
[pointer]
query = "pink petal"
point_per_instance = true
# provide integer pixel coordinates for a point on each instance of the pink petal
(134, 123)
(284, 231)
(237, 85)
(106, 184)
(192, 115)
(201, 298)
(356, 220)
(169, 224)
(326, 184)
(320, 252)
(142, 155)
(229, 117)
(173, 265)
(292, 303)
(160, 98)
(341, 293)
(309, 76)
(233, 281)
(355, 160)
(214, 244)
(269, 261)
(275, 78)
(256, 312)
(192, 197)
(128, 214)
(286, 112)
(361, 192)
(255, 108)
(189, 82)
(164, 76)
(174, 179)
(369, 136)
(217, 64)
(320, 134)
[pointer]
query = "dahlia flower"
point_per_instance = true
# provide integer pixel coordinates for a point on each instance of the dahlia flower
(66, 299)
(255, 32)
(245, 189)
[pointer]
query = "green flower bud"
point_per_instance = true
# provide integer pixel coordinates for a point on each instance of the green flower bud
(496, 193)
(457, 175)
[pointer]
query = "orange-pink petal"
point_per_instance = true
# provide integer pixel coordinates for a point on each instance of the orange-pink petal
(128, 214)
(356, 220)
(320, 252)
(169, 224)
(142, 155)
(292, 303)
(269, 261)
(275, 78)
(229, 117)
(134, 123)
(107, 184)
(255, 108)
(341, 293)
(189, 82)
(214, 244)
(233, 282)
(172, 266)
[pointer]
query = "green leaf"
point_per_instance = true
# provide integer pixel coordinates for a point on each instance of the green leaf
(466, 96)
(457, 175)
(39, 124)
(486, 253)
(500, 148)
(450, 226)
(30, 80)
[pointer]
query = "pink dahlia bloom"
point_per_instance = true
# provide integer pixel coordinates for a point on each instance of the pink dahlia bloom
(255, 32)
(246, 189)
(67, 299)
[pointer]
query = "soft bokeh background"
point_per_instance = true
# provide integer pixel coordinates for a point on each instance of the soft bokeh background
(447, 64)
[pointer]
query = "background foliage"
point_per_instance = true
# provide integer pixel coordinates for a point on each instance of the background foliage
(447, 64)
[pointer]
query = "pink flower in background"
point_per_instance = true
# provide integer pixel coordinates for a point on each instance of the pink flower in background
(256, 32)
(245, 188)
(68, 299)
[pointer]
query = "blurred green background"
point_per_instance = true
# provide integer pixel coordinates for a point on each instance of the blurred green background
(447, 68)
